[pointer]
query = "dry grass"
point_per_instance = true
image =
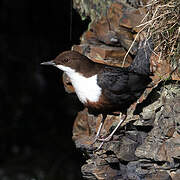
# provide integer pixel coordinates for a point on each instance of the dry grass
(164, 26)
(162, 23)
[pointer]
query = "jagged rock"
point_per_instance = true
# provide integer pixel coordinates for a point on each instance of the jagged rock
(163, 142)
(147, 116)
(95, 8)
(114, 24)
(147, 145)
(134, 152)
(120, 14)
(163, 70)
(104, 54)
(124, 148)
(114, 28)
(159, 175)
(98, 170)
(86, 126)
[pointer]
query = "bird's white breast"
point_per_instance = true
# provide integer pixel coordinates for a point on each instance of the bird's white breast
(86, 89)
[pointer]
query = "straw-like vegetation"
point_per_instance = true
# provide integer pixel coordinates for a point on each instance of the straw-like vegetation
(162, 23)
(163, 20)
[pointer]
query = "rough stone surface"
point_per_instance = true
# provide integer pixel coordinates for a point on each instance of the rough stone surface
(104, 54)
(147, 145)
(146, 150)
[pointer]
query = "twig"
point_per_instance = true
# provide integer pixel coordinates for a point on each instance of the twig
(150, 4)
(132, 44)
(148, 22)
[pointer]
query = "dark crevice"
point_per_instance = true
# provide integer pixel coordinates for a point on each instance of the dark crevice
(159, 163)
(144, 128)
(177, 161)
(152, 97)
(114, 166)
(123, 162)
(109, 153)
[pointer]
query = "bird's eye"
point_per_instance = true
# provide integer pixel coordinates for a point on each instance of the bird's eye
(66, 60)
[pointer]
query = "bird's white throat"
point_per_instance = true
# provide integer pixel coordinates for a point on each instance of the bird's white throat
(86, 89)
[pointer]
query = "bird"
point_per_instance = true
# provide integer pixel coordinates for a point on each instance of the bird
(103, 88)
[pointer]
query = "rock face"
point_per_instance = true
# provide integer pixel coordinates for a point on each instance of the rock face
(147, 145)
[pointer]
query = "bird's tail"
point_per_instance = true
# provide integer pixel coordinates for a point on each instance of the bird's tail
(141, 63)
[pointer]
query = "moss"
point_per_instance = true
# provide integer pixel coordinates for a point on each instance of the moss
(92, 8)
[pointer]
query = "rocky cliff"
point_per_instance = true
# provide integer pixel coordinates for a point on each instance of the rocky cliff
(147, 145)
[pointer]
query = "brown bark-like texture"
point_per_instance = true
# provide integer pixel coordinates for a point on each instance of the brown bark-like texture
(147, 145)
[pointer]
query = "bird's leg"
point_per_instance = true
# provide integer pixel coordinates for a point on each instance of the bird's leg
(110, 136)
(99, 128)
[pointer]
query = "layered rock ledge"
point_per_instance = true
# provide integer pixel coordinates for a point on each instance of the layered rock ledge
(147, 145)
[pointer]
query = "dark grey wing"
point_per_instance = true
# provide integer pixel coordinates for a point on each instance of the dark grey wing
(121, 86)
(113, 79)
(141, 63)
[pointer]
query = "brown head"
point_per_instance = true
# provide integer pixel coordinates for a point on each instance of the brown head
(73, 60)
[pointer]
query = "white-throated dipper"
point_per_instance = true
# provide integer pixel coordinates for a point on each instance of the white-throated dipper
(103, 88)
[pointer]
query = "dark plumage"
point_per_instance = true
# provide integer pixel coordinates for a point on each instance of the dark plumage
(110, 88)
(122, 86)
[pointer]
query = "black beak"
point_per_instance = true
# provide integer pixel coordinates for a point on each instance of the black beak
(48, 63)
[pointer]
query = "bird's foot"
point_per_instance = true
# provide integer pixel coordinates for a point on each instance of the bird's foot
(108, 138)
(103, 141)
